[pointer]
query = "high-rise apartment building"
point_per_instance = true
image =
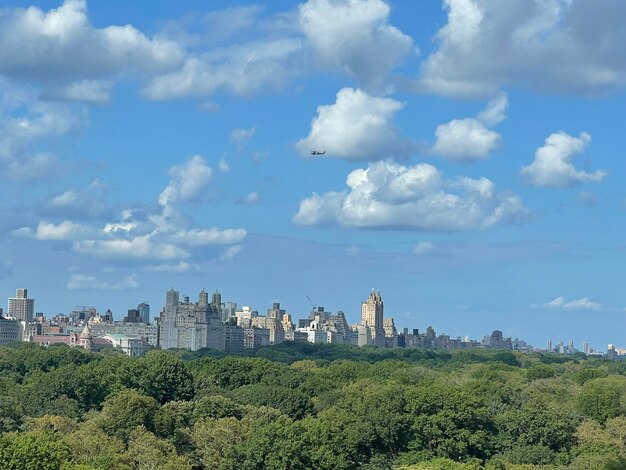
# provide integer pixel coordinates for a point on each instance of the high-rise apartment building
(190, 325)
(21, 307)
(371, 328)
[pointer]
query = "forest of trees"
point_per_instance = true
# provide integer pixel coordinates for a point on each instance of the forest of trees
(302, 406)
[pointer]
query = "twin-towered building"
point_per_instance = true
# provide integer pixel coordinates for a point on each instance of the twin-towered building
(188, 325)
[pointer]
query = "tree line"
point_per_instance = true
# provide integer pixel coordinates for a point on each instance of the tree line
(302, 406)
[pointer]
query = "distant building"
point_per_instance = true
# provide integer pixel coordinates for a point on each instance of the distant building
(190, 325)
(372, 321)
(10, 330)
(144, 312)
(256, 338)
(133, 316)
(133, 347)
(21, 307)
(233, 338)
(140, 330)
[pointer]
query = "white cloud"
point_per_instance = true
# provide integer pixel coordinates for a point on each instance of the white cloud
(355, 37)
(560, 46)
(240, 70)
(87, 282)
(392, 196)
(357, 127)
(579, 304)
(61, 45)
(469, 139)
(358, 41)
(553, 165)
(251, 198)
(423, 248)
(137, 247)
(66, 230)
(240, 137)
(230, 252)
(465, 139)
(495, 112)
(188, 183)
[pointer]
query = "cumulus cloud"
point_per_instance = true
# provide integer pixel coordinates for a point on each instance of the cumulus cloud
(579, 304)
(66, 230)
(357, 127)
(555, 46)
(359, 41)
(87, 282)
(61, 45)
(137, 247)
(355, 37)
(240, 70)
(167, 234)
(387, 195)
(553, 165)
(241, 137)
(470, 139)
(188, 182)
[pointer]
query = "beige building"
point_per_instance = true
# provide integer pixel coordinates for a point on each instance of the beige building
(372, 320)
(21, 307)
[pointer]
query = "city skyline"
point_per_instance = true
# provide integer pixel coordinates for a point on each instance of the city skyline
(371, 313)
(471, 172)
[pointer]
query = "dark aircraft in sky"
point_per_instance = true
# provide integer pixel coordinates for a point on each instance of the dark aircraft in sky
(317, 152)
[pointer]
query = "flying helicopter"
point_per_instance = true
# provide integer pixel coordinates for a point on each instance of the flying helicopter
(317, 152)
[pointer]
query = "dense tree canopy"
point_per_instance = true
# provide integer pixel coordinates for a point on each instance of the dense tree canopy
(302, 406)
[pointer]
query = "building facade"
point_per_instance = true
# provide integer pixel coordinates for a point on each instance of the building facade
(190, 325)
(21, 307)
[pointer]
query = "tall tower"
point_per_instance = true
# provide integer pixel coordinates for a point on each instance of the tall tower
(21, 307)
(144, 312)
(371, 329)
(216, 300)
(171, 301)
(372, 311)
(168, 333)
(203, 298)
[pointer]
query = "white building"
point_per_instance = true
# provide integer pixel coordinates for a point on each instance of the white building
(130, 346)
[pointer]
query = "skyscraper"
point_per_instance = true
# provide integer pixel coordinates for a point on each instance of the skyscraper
(372, 311)
(21, 307)
(144, 312)
(372, 320)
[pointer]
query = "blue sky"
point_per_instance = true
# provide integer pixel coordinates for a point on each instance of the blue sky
(473, 168)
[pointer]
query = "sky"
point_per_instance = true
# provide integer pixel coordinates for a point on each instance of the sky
(473, 168)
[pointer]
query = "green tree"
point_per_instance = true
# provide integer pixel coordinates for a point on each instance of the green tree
(32, 451)
(125, 411)
(600, 399)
